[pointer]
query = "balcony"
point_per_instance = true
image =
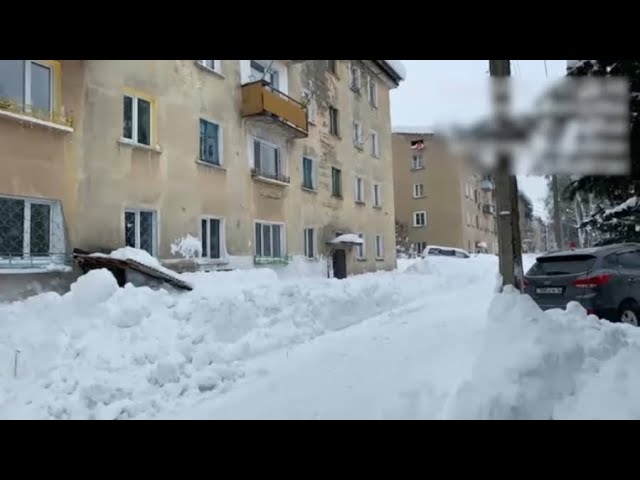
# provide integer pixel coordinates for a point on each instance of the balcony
(262, 102)
(26, 113)
(486, 184)
(489, 209)
(270, 177)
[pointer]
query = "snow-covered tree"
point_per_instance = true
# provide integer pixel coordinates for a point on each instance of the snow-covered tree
(618, 210)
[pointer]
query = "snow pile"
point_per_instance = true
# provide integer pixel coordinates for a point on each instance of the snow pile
(187, 247)
(348, 238)
(551, 365)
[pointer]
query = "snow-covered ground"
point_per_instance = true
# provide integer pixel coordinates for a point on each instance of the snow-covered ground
(431, 340)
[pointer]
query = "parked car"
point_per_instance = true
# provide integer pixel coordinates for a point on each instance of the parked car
(604, 280)
(433, 250)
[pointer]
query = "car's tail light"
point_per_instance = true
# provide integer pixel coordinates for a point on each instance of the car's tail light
(593, 282)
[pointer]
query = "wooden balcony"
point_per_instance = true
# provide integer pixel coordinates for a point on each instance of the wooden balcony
(262, 102)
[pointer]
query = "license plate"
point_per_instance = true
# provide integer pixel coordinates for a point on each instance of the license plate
(549, 290)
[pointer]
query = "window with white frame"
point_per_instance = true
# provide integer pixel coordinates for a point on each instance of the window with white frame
(210, 142)
(212, 237)
(356, 78)
(357, 134)
(379, 247)
(377, 195)
(267, 160)
(417, 162)
(373, 92)
(418, 190)
(309, 101)
(359, 190)
(308, 173)
(269, 240)
(28, 83)
(375, 144)
(30, 228)
(213, 65)
(310, 243)
(361, 248)
(420, 219)
(136, 120)
(140, 230)
(264, 70)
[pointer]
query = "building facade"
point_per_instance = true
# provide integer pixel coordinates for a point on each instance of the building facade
(439, 199)
(261, 160)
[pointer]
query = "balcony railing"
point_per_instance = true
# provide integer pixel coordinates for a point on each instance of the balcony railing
(489, 209)
(278, 177)
(19, 108)
(261, 99)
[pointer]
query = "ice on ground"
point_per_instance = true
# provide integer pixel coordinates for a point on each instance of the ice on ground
(431, 342)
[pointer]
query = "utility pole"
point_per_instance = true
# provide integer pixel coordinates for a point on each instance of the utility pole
(506, 186)
(557, 218)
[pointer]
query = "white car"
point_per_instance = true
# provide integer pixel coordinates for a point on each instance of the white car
(434, 250)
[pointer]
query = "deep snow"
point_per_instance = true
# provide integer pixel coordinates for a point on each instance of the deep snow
(431, 340)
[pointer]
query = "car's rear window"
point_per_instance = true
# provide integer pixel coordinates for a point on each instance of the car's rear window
(442, 251)
(562, 265)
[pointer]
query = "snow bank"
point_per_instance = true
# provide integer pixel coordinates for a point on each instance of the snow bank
(551, 365)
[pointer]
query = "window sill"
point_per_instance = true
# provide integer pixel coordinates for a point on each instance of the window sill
(378, 207)
(337, 197)
(35, 121)
(373, 105)
(209, 70)
(379, 259)
(361, 259)
(139, 146)
(360, 203)
(211, 165)
(415, 169)
(421, 196)
(419, 226)
(270, 181)
(359, 146)
(335, 135)
(309, 190)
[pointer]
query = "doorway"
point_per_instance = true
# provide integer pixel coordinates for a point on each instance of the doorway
(339, 264)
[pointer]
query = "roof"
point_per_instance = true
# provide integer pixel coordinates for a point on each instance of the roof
(348, 239)
(590, 251)
(394, 69)
(413, 130)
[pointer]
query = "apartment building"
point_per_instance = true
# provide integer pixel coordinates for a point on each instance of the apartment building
(262, 160)
(439, 199)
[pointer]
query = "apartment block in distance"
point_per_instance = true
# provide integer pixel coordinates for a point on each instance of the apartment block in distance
(261, 160)
(439, 199)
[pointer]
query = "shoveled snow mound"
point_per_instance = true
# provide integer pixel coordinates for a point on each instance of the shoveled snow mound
(551, 365)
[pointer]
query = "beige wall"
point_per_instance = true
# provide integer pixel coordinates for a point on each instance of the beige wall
(97, 176)
(450, 206)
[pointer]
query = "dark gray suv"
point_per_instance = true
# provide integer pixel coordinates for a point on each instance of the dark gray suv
(604, 280)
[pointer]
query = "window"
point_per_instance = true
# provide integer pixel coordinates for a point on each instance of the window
(270, 240)
(629, 260)
(468, 219)
(375, 144)
(309, 101)
(308, 173)
(25, 228)
(334, 126)
(419, 219)
(140, 230)
(211, 237)
(28, 83)
(332, 66)
(377, 195)
(373, 92)
(137, 120)
(357, 134)
(356, 79)
(267, 161)
(359, 190)
(210, 143)
(379, 247)
(263, 70)
(309, 243)
(475, 196)
(418, 190)
(361, 249)
(416, 162)
(336, 182)
(477, 222)
(213, 65)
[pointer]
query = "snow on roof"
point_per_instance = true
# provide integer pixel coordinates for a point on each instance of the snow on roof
(347, 238)
(398, 67)
(413, 130)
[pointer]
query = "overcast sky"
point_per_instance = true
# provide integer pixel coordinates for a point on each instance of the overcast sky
(455, 91)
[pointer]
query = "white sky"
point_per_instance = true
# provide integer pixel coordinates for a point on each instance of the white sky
(441, 92)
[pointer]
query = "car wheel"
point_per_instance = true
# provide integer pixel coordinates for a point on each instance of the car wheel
(629, 313)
